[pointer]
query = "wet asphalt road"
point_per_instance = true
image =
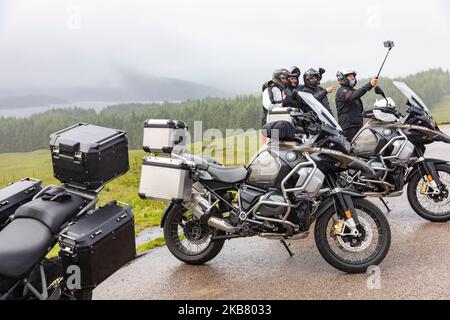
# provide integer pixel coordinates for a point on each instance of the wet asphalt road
(416, 267)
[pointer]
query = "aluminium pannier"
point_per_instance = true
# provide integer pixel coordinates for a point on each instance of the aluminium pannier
(164, 136)
(281, 114)
(165, 179)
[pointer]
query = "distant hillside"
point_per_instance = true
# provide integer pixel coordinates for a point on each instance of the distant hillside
(140, 86)
(242, 112)
(29, 101)
(133, 86)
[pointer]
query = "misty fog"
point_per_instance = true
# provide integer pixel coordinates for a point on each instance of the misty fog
(229, 45)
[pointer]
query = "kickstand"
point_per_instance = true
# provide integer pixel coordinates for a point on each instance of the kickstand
(385, 204)
(287, 248)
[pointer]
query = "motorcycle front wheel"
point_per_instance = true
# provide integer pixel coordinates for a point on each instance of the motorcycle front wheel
(349, 253)
(430, 206)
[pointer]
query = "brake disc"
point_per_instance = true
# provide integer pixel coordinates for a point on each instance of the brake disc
(359, 243)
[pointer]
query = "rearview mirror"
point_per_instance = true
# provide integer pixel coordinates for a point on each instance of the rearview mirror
(379, 91)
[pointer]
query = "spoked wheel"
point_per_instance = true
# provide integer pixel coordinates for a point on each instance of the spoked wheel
(353, 254)
(54, 277)
(189, 240)
(430, 205)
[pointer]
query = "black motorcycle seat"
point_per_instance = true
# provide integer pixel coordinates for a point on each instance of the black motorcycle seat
(201, 162)
(53, 214)
(23, 243)
(227, 174)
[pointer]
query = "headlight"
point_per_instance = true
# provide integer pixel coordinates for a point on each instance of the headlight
(78, 155)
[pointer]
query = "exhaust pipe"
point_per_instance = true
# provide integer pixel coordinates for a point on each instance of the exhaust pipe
(273, 236)
(221, 225)
(284, 236)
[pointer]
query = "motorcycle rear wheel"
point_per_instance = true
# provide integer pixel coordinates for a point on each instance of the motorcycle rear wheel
(183, 231)
(54, 276)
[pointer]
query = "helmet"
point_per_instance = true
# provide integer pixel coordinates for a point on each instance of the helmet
(280, 73)
(342, 74)
(295, 71)
(321, 71)
(311, 73)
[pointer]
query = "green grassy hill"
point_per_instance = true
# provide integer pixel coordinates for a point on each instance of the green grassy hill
(37, 164)
(441, 112)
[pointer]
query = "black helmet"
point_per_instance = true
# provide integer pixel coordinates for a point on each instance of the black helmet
(311, 73)
(295, 71)
(342, 74)
(321, 71)
(280, 73)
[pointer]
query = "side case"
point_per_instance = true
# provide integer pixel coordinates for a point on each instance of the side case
(165, 179)
(164, 136)
(16, 194)
(281, 114)
(99, 243)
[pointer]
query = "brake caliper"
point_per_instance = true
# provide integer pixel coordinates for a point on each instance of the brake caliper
(423, 187)
(338, 227)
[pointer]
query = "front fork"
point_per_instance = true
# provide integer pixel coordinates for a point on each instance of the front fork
(343, 200)
(428, 170)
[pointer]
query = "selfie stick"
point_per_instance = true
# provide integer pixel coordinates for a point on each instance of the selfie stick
(387, 44)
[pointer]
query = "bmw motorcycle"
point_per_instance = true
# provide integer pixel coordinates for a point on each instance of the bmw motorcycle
(285, 187)
(394, 145)
(94, 242)
(25, 272)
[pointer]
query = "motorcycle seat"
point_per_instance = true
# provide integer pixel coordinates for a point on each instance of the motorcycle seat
(227, 174)
(201, 162)
(52, 214)
(23, 243)
(216, 170)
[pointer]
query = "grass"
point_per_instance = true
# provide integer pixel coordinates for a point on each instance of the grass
(37, 164)
(158, 242)
(441, 112)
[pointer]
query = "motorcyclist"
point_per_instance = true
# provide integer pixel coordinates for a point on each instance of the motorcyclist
(274, 92)
(348, 102)
(311, 80)
(293, 81)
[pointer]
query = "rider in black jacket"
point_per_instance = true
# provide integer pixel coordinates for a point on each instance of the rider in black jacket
(348, 102)
(311, 80)
(292, 81)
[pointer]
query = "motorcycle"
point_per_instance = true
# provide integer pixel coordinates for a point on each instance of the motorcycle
(285, 187)
(25, 272)
(93, 241)
(394, 145)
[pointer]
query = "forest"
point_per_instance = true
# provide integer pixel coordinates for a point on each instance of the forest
(240, 112)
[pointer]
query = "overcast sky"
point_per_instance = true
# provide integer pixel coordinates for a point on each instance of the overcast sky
(230, 44)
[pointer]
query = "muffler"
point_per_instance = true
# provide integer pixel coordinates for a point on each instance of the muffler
(273, 236)
(284, 236)
(221, 225)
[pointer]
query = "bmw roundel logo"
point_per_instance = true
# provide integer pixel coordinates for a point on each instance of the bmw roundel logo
(387, 132)
(291, 156)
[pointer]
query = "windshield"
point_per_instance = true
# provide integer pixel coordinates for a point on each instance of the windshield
(324, 115)
(413, 98)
